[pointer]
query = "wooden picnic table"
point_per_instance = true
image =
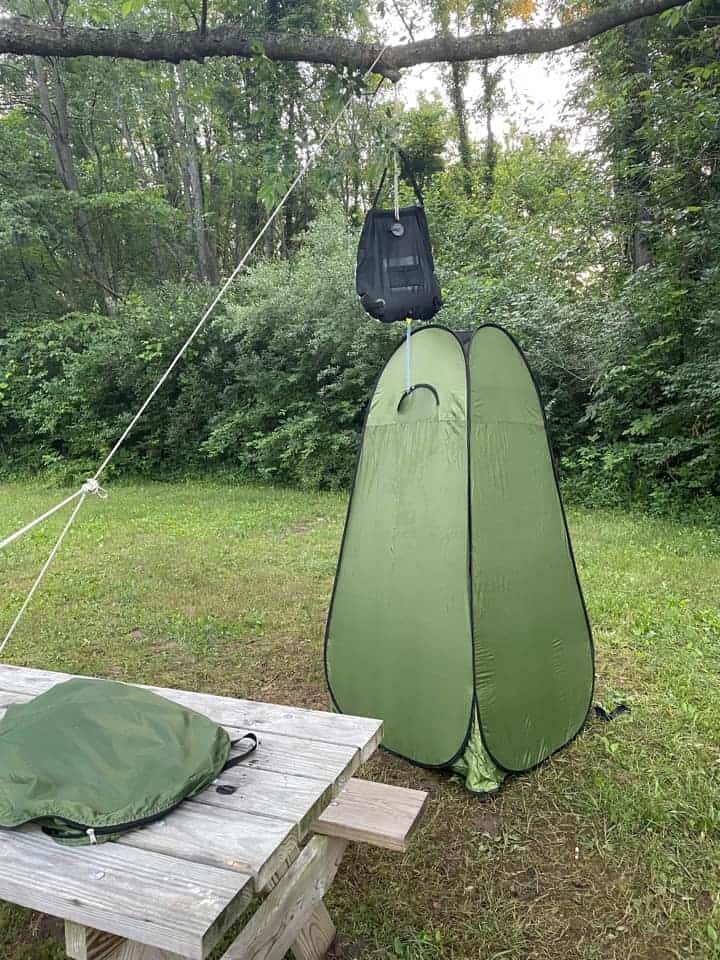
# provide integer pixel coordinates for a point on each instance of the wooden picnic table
(174, 889)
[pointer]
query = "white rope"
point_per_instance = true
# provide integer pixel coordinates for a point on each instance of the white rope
(408, 370)
(91, 485)
(396, 168)
(396, 185)
(44, 569)
(396, 204)
(34, 523)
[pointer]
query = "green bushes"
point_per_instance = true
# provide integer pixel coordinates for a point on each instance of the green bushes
(302, 358)
(653, 417)
(274, 388)
(599, 252)
(276, 385)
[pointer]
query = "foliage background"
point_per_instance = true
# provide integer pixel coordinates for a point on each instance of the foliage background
(602, 259)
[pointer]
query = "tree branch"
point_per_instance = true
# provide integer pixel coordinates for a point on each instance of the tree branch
(21, 36)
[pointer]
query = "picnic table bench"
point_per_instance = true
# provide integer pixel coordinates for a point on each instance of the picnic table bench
(275, 834)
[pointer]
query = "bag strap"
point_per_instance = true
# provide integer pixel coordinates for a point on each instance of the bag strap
(380, 188)
(607, 715)
(234, 761)
(409, 176)
(407, 169)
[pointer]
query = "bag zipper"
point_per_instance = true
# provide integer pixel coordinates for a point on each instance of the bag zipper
(77, 830)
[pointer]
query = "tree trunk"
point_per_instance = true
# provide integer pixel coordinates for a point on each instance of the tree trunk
(53, 107)
(489, 82)
(165, 168)
(205, 261)
(458, 77)
(144, 177)
(635, 185)
(19, 35)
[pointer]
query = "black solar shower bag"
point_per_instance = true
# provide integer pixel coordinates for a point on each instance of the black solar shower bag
(395, 276)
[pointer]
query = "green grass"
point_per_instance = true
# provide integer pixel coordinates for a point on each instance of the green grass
(610, 850)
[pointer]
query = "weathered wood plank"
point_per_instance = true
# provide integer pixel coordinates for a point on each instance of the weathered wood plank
(259, 791)
(254, 830)
(277, 923)
(7, 697)
(374, 813)
(159, 901)
(137, 951)
(328, 762)
(84, 943)
(198, 833)
(315, 725)
(364, 734)
(316, 937)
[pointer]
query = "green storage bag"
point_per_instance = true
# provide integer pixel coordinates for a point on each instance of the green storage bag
(92, 759)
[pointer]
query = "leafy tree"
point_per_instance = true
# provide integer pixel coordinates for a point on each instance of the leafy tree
(127, 189)
(654, 413)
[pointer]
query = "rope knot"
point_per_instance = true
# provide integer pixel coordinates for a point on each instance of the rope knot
(92, 486)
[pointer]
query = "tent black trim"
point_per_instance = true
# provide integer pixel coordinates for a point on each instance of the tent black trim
(464, 341)
(573, 562)
(458, 753)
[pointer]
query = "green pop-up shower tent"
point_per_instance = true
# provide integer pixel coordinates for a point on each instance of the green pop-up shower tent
(457, 615)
